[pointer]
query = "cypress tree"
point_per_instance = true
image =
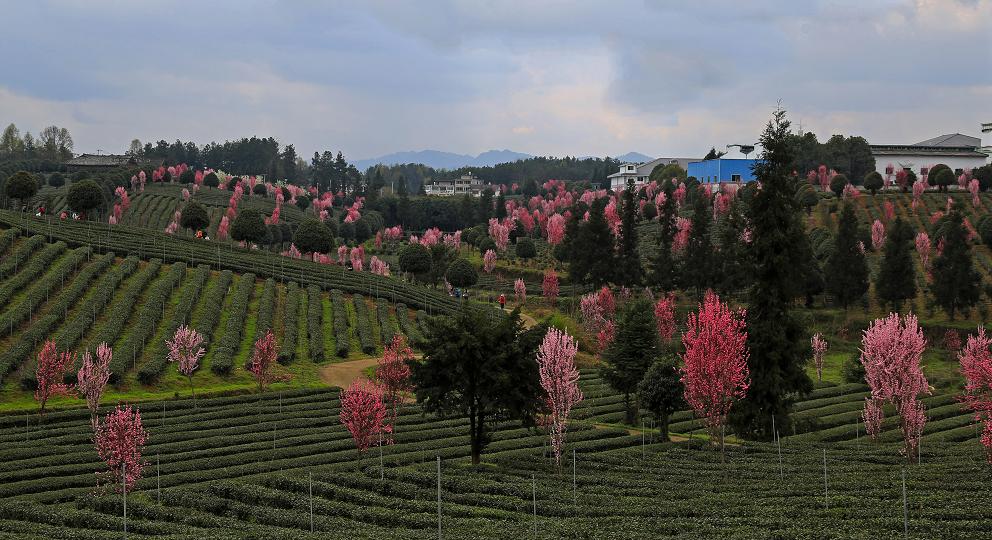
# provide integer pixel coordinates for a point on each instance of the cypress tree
(628, 271)
(698, 265)
(846, 269)
(632, 351)
(733, 272)
(778, 343)
(955, 281)
(591, 255)
(663, 265)
(896, 280)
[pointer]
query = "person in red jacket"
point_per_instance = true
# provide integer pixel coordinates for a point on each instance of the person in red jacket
(502, 301)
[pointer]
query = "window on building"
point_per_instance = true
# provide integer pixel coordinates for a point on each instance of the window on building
(958, 172)
(735, 178)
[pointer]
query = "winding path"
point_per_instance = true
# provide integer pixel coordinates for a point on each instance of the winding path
(342, 374)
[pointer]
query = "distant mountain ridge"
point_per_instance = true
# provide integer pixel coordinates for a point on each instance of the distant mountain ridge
(449, 160)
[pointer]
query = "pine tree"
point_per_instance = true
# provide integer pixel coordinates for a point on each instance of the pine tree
(629, 271)
(733, 272)
(632, 351)
(955, 281)
(663, 265)
(591, 255)
(777, 341)
(846, 269)
(896, 274)
(698, 265)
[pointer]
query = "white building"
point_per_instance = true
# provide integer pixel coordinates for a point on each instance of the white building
(640, 172)
(957, 151)
(467, 183)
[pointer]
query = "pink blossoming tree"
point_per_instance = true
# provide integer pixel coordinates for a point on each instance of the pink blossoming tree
(185, 350)
(976, 366)
(560, 381)
(120, 438)
(52, 366)
(877, 235)
(489, 261)
(92, 378)
(819, 346)
(715, 371)
(263, 356)
(393, 373)
(664, 317)
(520, 290)
(363, 412)
(549, 285)
(891, 350)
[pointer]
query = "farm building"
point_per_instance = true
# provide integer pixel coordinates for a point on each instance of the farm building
(99, 162)
(641, 172)
(957, 151)
(722, 169)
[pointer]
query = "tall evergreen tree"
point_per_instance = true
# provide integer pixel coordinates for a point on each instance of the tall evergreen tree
(699, 263)
(955, 281)
(733, 269)
(500, 206)
(663, 264)
(591, 254)
(846, 269)
(778, 343)
(632, 351)
(628, 271)
(896, 281)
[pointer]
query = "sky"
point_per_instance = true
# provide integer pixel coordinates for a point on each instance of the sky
(542, 77)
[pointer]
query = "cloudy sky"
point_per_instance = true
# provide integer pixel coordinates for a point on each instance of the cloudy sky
(543, 77)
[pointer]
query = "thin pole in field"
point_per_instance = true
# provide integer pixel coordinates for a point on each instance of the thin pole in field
(778, 444)
(826, 501)
(382, 473)
(310, 486)
(124, 490)
(439, 497)
(158, 479)
(574, 499)
(905, 507)
(533, 484)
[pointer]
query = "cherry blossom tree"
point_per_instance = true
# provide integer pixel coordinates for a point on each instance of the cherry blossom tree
(120, 439)
(560, 381)
(664, 317)
(923, 248)
(500, 233)
(223, 228)
(889, 211)
(973, 188)
(976, 366)
(715, 371)
(918, 188)
(52, 366)
(520, 290)
(550, 285)
(185, 350)
(489, 261)
(363, 412)
(92, 378)
(393, 373)
(819, 349)
(263, 356)
(877, 235)
(556, 229)
(607, 332)
(891, 350)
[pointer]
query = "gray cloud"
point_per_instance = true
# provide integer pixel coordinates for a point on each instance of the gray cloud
(542, 77)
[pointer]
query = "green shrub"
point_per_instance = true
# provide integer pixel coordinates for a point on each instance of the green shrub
(342, 340)
(228, 345)
(315, 330)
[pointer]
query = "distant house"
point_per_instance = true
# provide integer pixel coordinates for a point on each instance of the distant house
(957, 151)
(467, 183)
(99, 162)
(641, 172)
(722, 170)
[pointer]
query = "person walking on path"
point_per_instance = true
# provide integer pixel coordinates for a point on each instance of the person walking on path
(502, 301)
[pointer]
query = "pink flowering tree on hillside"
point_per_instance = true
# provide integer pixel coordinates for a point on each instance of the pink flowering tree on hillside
(120, 439)
(819, 346)
(393, 373)
(877, 235)
(489, 261)
(891, 350)
(550, 285)
(560, 381)
(976, 366)
(185, 350)
(923, 248)
(363, 412)
(556, 229)
(664, 317)
(52, 366)
(92, 378)
(715, 372)
(263, 356)
(520, 290)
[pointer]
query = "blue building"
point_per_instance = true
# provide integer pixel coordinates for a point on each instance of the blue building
(720, 170)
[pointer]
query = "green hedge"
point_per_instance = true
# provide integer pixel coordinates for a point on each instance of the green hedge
(290, 328)
(342, 339)
(363, 324)
(12, 263)
(213, 306)
(120, 308)
(30, 271)
(387, 328)
(229, 344)
(7, 238)
(41, 290)
(143, 326)
(315, 330)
